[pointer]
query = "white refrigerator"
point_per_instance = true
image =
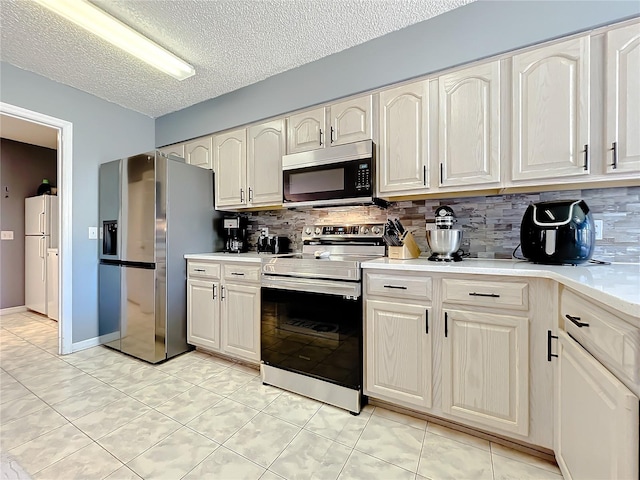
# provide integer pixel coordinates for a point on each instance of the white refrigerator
(41, 233)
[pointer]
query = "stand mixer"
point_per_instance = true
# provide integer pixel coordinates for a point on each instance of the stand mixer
(444, 241)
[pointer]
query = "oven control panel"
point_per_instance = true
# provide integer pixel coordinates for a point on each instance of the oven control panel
(334, 231)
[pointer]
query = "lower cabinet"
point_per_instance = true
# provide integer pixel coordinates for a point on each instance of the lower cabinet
(398, 352)
(485, 369)
(596, 425)
(223, 310)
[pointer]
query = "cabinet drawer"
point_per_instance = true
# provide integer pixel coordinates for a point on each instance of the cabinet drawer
(399, 286)
(489, 293)
(241, 273)
(607, 337)
(203, 269)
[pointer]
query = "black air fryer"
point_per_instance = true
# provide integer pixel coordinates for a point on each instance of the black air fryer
(558, 232)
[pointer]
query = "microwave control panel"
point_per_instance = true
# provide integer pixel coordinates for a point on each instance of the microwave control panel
(363, 176)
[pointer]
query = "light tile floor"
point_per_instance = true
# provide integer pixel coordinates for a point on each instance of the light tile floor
(100, 414)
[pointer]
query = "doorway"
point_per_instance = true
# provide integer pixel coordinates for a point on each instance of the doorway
(64, 180)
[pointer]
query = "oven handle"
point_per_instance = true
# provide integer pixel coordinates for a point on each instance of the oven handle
(352, 290)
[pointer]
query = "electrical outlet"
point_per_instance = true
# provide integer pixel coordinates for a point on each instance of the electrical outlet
(93, 233)
(7, 235)
(599, 224)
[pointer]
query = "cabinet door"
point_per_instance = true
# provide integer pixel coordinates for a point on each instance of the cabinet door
(264, 163)
(198, 152)
(485, 369)
(623, 99)
(596, 418)
(469, 113)
(551, 111)
(203, 314)
(306, 131)
(241, 321)
(230, 151)
(402, 168)
(398, 352)
(177, 150)
(351, 121)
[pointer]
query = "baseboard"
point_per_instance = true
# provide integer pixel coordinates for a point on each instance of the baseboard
(10, 310)
(83, 345)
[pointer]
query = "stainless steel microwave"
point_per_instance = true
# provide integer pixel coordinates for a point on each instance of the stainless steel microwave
(341, 175)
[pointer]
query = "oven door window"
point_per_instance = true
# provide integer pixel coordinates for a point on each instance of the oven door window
(313, 334)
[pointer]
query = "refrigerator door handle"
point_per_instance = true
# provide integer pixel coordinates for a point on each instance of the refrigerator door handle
(43, 261)
(41, 222)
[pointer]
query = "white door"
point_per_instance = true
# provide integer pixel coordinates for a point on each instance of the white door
(596, 418)
(551, 111)
(198, 152)
(306, 131)
(203, 314)
(52, 284)
(266, 146)
(230, 154)
(469, 126)
(35, 273)
(623, 99)
(485, 369)
(351, 121)
(241, 321)
(402, 165)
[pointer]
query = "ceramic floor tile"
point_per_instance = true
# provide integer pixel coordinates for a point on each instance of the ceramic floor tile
(25, 429)
(458, 436)
(66, 389)
(392, 442)
(158, 393)
(227, 382)
(256, 395)
(11, 468)
(116, 371)
(12, 391)
(90, 462)
(83, 355)
(226, 464)
(130, 440)
(222, 420)
(86, 402)
(139, 379)
(199, 371)
(47, 449)
(101, 422)
(20, 407)
(311, 456)
(175, 364)
(42, 369)
(123, 473)
(188, 405)
(249, 370)
(269, 475)
(400, 418)
(497, 449)
(174, 456)
(262, 439)
(506, 468)
(293, 408)
(337, 424)
(361, 466)
(443, 458)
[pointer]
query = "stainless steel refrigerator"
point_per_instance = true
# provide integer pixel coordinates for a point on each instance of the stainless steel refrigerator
(153, 210)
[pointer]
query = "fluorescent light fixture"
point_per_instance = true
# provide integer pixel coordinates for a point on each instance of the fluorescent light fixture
(96, 21)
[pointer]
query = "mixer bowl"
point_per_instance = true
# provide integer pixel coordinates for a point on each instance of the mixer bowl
(444, 242)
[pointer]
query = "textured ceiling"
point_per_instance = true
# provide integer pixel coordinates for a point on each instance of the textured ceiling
(230, 43)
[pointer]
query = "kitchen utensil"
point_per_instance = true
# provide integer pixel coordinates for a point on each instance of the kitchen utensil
(444, 241)
(399, 226)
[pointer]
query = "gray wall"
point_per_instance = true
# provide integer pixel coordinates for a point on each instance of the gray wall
(22, 168)
(478, 30)
(102, 131)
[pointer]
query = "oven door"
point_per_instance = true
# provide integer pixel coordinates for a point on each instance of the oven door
(314, 328)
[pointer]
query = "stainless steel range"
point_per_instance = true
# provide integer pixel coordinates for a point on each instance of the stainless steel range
(312, 315)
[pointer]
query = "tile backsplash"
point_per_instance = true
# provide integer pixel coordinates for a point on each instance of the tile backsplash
(491, 224)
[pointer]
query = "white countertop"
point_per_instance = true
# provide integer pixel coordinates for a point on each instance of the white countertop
(252, 257)
(616, 285)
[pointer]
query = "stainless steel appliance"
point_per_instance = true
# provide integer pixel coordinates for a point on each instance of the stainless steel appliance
(153, 210)
(558, 232)
(444, 241)
(235, 234)
(340, 175)
(312, 314)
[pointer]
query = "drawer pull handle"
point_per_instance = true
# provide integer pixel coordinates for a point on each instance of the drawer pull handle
(492, 295)
(549, 337)
(239, 274)
(199, 270)
(576, 321)
(396, 287)
(213, 296)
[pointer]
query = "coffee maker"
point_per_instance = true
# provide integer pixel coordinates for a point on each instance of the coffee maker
(235, 234)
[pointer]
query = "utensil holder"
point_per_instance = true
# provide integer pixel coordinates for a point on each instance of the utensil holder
(408, 250)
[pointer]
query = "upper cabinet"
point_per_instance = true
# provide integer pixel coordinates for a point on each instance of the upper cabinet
(351, 121)
(469, 126)
(177, 149)
(306, 131)
(551, 111)
(199, 152)
(622, 137)
(248, 166)
(402, 164)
